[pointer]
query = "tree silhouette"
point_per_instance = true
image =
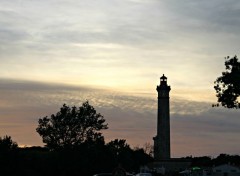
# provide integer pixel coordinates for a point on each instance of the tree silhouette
(227, 86)
(117, 145)
(8, 155)
(122, 152)
(6, 144)
(148, 149)
(71, 127)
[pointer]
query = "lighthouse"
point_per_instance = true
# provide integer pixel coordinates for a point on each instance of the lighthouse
(162, 139)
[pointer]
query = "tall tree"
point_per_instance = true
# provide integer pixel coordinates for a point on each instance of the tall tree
(71, 127)
(227, 86)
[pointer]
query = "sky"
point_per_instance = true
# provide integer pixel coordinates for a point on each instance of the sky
(112, 53)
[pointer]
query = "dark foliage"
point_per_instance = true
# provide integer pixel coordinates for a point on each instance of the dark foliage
(6, 144)
(203, 161)
(76, 147)
(71, 127)
(126, 157)
(122, 152)
(227, 86)
(225, 159)
(8, 155)
(87, 159)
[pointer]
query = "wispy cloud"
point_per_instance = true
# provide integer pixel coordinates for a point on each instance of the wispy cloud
(194, 125)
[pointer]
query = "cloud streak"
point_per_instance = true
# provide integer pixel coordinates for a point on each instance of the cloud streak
(196, 128)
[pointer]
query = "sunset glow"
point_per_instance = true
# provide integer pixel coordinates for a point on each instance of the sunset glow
(113, 53)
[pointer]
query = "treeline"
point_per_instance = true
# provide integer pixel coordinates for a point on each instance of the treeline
(74, 145)
(206, 161)
(86, 159)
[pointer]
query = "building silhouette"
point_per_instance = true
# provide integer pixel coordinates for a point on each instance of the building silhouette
(162, 139)
(163, 162)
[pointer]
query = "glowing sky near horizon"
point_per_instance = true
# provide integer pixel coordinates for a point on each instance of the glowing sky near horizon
(112, 52)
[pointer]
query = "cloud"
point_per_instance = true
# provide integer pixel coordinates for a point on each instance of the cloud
(142, 36)
(211, 133)
(133, 23)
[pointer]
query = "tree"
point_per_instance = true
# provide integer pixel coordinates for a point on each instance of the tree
(148, 149)
(118, 145)
(227, 86)
(71, 127)
(8, 155)
(6, 144)
(122, 153)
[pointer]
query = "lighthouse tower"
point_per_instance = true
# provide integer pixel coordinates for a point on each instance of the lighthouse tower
(162, 140)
